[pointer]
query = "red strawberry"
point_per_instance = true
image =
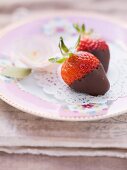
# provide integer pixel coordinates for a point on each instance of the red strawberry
(82, 71)
(77, 66)
(97, 47)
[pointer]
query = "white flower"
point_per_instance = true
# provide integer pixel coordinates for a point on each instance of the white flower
(33, 52)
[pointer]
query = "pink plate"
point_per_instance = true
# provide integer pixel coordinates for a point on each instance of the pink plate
(39, 36)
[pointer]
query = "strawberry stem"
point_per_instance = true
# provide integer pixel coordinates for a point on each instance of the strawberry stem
(63, 48)
(76, 26)
(78, 41)
(82, 30)
(57, 60)
(66, 53)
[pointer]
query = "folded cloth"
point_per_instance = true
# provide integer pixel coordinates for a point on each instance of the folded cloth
(68, 152)
(39, 162)
(24, 133)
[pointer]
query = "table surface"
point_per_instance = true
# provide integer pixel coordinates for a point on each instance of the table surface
(8, 8)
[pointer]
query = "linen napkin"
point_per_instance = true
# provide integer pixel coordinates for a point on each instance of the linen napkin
(24, 133)
(39, 162)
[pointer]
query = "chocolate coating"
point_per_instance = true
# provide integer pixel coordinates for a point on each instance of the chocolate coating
(103, 56)
(94, 83)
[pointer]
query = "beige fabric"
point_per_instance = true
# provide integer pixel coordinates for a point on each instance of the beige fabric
(38, 162)
(24, 133)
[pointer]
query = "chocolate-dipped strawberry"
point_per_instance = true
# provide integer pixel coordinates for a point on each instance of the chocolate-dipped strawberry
(97, 47)
(82, 71)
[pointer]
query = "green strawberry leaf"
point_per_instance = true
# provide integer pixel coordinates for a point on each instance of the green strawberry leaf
(57, 60)
(76, 26)
(66, 53)
(78, 41)
(83, 28)
(52, 60)
(62, 46)
(61, 60)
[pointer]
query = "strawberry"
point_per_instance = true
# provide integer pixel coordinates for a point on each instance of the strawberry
(77, 66)
(82, 71)
(97, 47)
